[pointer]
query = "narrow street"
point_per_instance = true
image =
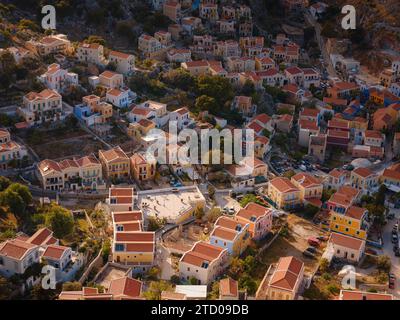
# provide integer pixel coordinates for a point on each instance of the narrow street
(388, 250)
(331, 70)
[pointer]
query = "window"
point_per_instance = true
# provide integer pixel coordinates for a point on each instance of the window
(119, 247)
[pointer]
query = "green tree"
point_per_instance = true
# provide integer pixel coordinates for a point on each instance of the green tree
(248, 198)
(384, 263)
(153, 273)
(5, 288)
(206, 103)
(323, 265)
(327, 194)
(4, 183)
(193, 281)
(155, 289)
(60, 220)
(96, 39)
(310, 211)
(153, 224)
(216, 87)
(213, 215)
(236, 268)
(199, 213)
(247, 282)
(106, 250)
(14, 201)
(179, 78)
(23, 191)
(175, 280)
(211, 191)
(72, 286)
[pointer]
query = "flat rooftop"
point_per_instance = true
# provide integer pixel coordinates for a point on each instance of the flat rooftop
(169, 203)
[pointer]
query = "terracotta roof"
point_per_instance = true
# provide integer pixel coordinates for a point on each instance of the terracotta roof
(223, 233)
(108, 74)
(54, 252)
(373, 134)
(252, 211)
(336, 173)
(15, 249)
(87, 161)
(346, 86)
(114, 154)
(283, 185)
(255, 126)
(294, 70)
(363, 172)
(195, 64)
(309, 112)
(121, 55)
(306, 180)
(391, 174)
(134, 236)
(346, 241)
(127, 216)
(40, 236)
(125, 287)
(287, 273)
(228, 287)
(121, 192)
(263, 118)
(355, 212)
(115, 92)
(45, 94)
(359, 295)
(308, 125)
(202, 252)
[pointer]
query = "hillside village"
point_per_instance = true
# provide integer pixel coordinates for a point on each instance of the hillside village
(80, 191)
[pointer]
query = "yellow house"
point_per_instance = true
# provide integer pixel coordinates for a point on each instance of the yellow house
(391, 176)
(309, 186)
(140, 129)
(143, 167)
(261, 146)
(359, 123)
(363, 179)
(115, 163)
(230, 234)
(135, 248)
(284, 193)
(354, 222)
(283, 280)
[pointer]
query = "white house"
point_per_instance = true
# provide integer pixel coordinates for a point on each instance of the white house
(182, 117)
(16, 256)
(118, 98)
(56, 78)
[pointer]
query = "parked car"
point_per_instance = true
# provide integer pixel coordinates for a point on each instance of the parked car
(390, 216)
(392, 280)
(322, 238)
(395, 247)
(397, 252)
(312, 250)
(371, 251)
(313, 241)
(395, 238)
(308, 254)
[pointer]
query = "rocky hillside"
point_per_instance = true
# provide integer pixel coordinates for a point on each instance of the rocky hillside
(376, 41)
